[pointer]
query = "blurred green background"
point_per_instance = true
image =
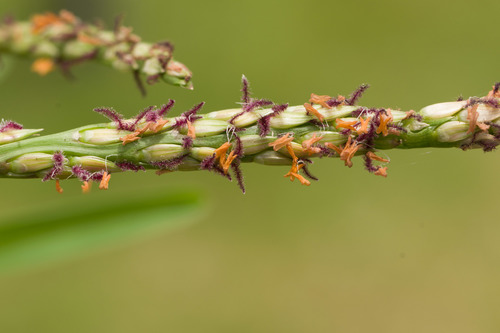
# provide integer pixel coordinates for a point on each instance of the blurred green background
(416, 252)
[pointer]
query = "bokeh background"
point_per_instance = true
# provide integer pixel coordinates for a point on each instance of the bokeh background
(416, 252)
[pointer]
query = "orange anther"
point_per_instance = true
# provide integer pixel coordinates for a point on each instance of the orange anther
(334, 147)
(409, 114)
(294, 175)
(152, 126)
(381, 172)
(281, 142)
(308, 144)
(42, 66)
(348, 152)
(147, 126)
(313, 111)
(384, 121)
(191, 131)
(294, 170)
(83, 37)
(345, 124)
(291, 152)
(103, 185)
(374, 157)
(58, 186)
(86, 186)
(472, 116)
(321, 100)
(363, 126)
(42, 21)
(483, 127)
(130, 137)
(229, 160)
(158, 126)
(220, 153)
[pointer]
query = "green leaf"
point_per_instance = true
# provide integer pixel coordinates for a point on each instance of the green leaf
(47, 237)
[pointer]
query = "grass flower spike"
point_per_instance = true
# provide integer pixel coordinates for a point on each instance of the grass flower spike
(260, 131)
(63, 40)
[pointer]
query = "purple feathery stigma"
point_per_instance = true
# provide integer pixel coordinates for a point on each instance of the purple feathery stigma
(238, 174)
(208, 163)
(345, 131)
(334, 102)
(238, 149)
(218, 170)
(170, 164)
(263, 124)
(493, 102)
(496, 87)
(416, 116)
(358, 112)
(307, 173)
(317, 123)
(57, 168)
(187, 142)
(357, 94)
(166, 107)
(129, 166)
(256, 103)
(325, 151)
(245, 90)
(9, 125)
(147, 113)
(111, 114)
(97, 176)
(397, 127)
(488, 145)
(369, 164)
(189, 115)
(81, 173)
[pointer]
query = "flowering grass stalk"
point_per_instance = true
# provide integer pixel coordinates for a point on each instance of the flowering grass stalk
(64, 40)
(260, 131)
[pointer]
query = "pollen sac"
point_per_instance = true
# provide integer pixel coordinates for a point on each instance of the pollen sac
(200, 153)
(32, 162)
(16, 135)
(452, 131)
(292, 117)
(101, 136)
(333, 137)
(271, 158)
(337, 112)
(161, 152)
(248, 118)
(93, 163)
(207, 127)
(297, 149)
(442, 110)
(253, 144)
(222, 114)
